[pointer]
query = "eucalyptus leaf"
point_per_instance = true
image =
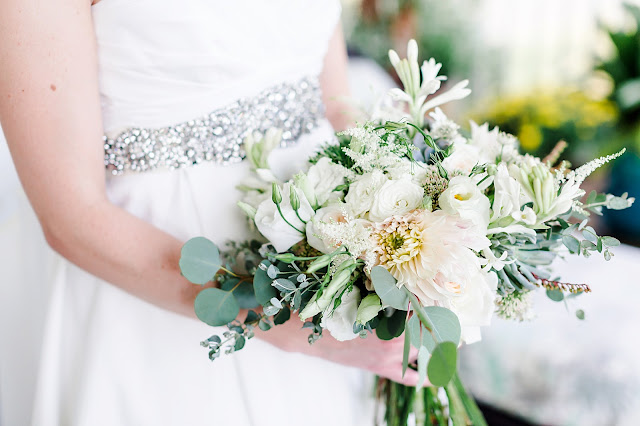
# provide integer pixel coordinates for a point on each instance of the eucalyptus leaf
(446, 327)
(571, 243)
(391, 327)
(199, 260)
(555, 295)
(251, 317)
(262, 285)
(270, 310)
(216, 307)
(385, 286)
(610, 241)
(283, 316)
(283, 284)
(580, 314)
(414, 325)
(443, 364)
(240, 341)
(423, 363)
(243, 292)
(272, 272)
(406, 348)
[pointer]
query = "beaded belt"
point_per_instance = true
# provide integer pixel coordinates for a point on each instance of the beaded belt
(295, 108)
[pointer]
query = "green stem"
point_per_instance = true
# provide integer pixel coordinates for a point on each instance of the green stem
(301, 219)
(473, 412)
(285, 219)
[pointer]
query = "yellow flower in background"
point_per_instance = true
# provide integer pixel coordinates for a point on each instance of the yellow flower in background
(530, 137)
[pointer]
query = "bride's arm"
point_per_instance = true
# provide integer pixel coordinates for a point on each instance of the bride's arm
(50, 114)
(334, 82)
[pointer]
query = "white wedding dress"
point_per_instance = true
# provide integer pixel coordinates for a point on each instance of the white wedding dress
(111, 359)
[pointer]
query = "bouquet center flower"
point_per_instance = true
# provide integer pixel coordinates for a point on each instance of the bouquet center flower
(398, 240)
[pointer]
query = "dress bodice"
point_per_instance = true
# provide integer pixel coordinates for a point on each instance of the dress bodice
(202, 59)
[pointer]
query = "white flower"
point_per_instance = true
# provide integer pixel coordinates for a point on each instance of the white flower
(340, 321)
(493, 145)
(361, 192)
(507, 196)
(405, 168)
(474, 303)
(463, 158)
(258, 147)
(324, 177)
(395, 197)
(526, 216)
(443, 128)
(274, 228)
(332, 214)
(463, 197)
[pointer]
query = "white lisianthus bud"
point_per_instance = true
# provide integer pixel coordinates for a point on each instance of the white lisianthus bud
(276, 196)
(301, 181)
(293, 198)
(368, 309)
(250, 211)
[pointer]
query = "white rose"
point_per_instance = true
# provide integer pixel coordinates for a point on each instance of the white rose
(463, 197)
(334, 213)
(324, 177)
(395, 198)
(475, 305)
(464, 157)
(361, 192)
(274, 228)
(340, 321)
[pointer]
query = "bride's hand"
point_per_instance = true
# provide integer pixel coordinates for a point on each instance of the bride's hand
(381, 357)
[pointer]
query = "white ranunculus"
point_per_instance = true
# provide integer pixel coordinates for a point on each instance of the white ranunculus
(324, 177)
(463, 197)
(464, 157)
(333, 213)
(395, 198)
(340, 321)
(361, 192)
(274, 228)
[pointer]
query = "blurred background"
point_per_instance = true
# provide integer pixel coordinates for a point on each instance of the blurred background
(544, 70)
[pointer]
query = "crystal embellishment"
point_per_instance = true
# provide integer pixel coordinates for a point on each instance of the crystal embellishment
(295, 108)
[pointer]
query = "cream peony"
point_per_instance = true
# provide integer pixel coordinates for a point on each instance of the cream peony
(274, 228)
(395, 198)
(462, 197)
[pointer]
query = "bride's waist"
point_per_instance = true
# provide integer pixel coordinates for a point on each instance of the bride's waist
(294, 107)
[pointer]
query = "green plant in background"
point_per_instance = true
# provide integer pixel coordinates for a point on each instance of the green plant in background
(540, 120)
(623, 69)
(440, 28)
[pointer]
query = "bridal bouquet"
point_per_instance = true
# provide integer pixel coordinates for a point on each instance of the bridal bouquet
(402, 226)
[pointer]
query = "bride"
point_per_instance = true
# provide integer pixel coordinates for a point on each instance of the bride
(125, 121)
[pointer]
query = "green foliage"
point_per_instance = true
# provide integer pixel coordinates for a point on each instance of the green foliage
(199, 260)
(446, 327)
(442, 364)
(216, 307)
(391, 326)
(555, 295)
(262, 283)
(385, 286)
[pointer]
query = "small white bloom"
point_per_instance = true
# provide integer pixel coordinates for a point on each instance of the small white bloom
(394, 198)
(274, 228)
(361, 192)
(340, 321)
(332, 214)
(507, 195)
(526, 216)
(463, 197)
